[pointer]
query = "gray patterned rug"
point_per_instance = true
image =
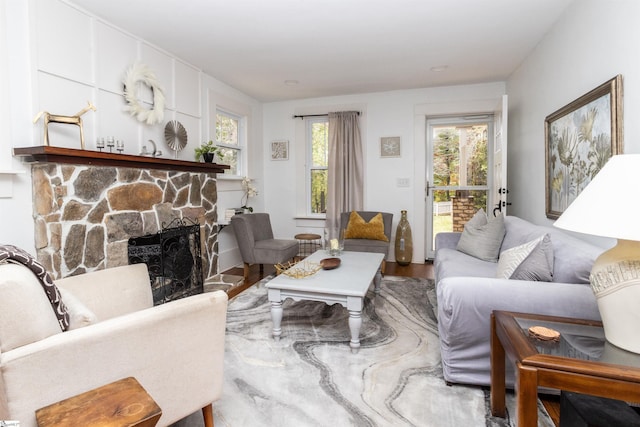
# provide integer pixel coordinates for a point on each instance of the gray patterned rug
(311, 378)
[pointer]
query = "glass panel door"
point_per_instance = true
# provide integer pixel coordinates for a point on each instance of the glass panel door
(458, 179)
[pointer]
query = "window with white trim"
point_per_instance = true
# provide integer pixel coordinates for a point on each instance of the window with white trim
(317, 137)
(230, 138)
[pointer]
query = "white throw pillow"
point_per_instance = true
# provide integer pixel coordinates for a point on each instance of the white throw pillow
(530, 261)
(482, 236)
(79, 315)
(26, 315)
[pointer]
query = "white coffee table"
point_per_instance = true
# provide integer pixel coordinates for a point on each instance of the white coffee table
(346, 285)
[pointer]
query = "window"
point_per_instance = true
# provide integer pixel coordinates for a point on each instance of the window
(317, 136)
(230, 139)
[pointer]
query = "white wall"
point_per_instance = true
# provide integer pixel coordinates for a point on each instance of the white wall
(59, 58)
(593, 41)
(397, 113)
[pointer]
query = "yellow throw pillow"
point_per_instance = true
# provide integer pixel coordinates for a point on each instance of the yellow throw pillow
(358, 228)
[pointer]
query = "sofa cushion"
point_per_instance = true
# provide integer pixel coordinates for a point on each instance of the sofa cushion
(452, 263)
(25, 310)
(358, 228)
(482, 236)
(530, 261)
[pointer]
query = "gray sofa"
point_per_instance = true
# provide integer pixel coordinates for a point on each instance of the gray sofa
(468, 291)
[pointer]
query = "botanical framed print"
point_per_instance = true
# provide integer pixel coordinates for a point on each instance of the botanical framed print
(279, 150)
(390, 146)
(579, 139)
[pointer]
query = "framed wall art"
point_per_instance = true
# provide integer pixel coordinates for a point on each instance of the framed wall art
(279, 150)
(390, 146)
(579, 139)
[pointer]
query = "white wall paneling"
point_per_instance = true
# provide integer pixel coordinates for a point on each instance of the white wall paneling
(66, 97)
(114, 121)
(65, 41)
(187, 89)
(162, 66)
(117, 51)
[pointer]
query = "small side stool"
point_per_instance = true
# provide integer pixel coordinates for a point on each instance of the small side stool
(308, 243)
(119, 404)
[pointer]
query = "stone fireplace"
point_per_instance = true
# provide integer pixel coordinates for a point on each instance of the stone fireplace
(86, 206)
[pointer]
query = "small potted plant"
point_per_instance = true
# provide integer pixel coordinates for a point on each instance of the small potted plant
(207, 151)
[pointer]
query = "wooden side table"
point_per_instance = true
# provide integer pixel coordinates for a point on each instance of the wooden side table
(581, 362)
(119, 404)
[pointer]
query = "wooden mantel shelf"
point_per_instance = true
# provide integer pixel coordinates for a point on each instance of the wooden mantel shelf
(49, 154)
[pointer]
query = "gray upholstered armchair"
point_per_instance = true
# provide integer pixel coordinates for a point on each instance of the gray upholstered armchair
(257, 245)
(372, 243)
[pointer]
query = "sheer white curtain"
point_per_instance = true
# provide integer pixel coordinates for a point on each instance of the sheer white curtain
(345, 176)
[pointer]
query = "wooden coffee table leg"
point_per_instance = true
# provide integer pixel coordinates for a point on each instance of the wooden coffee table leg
(527, 395)
(498, 385)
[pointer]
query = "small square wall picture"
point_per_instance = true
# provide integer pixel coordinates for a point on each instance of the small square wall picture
(280, 150)
(390, 146)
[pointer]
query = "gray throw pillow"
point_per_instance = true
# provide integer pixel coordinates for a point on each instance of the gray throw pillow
(538, 266)
(482, 237)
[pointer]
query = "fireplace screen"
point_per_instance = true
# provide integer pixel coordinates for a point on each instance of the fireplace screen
(173, 258)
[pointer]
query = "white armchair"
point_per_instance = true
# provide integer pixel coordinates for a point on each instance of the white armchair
(175, 350)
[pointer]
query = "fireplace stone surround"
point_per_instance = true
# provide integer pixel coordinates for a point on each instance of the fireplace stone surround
(84, 213)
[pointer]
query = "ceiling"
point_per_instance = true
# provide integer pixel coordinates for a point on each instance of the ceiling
(276, 50)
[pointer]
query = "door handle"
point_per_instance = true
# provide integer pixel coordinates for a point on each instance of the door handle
(499, 206)
(427, 188)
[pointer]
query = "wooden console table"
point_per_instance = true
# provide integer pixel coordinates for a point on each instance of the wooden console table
(119, 404)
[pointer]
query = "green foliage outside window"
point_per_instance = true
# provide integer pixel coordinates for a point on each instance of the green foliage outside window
(446, 168)
(319, 163)
(226, 129)
(446, 158)
(227, 138)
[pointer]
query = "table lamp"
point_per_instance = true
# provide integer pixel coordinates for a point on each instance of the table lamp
(609, 207)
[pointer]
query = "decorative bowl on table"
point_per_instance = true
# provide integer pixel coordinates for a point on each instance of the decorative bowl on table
(298, 271)
(330, 263)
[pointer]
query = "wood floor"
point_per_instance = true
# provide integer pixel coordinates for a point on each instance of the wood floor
(425, 271)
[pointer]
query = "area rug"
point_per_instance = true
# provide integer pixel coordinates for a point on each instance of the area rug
(311, 378)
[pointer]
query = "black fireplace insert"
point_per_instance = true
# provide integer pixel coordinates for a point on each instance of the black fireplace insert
(173, 257)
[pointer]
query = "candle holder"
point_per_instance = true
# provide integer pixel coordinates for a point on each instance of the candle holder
(110, 143)
(100, 144)
(120, 146)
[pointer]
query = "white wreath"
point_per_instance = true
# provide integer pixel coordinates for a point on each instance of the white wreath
(140, 73)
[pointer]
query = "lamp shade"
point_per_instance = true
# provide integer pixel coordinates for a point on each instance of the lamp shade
(610, 204)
